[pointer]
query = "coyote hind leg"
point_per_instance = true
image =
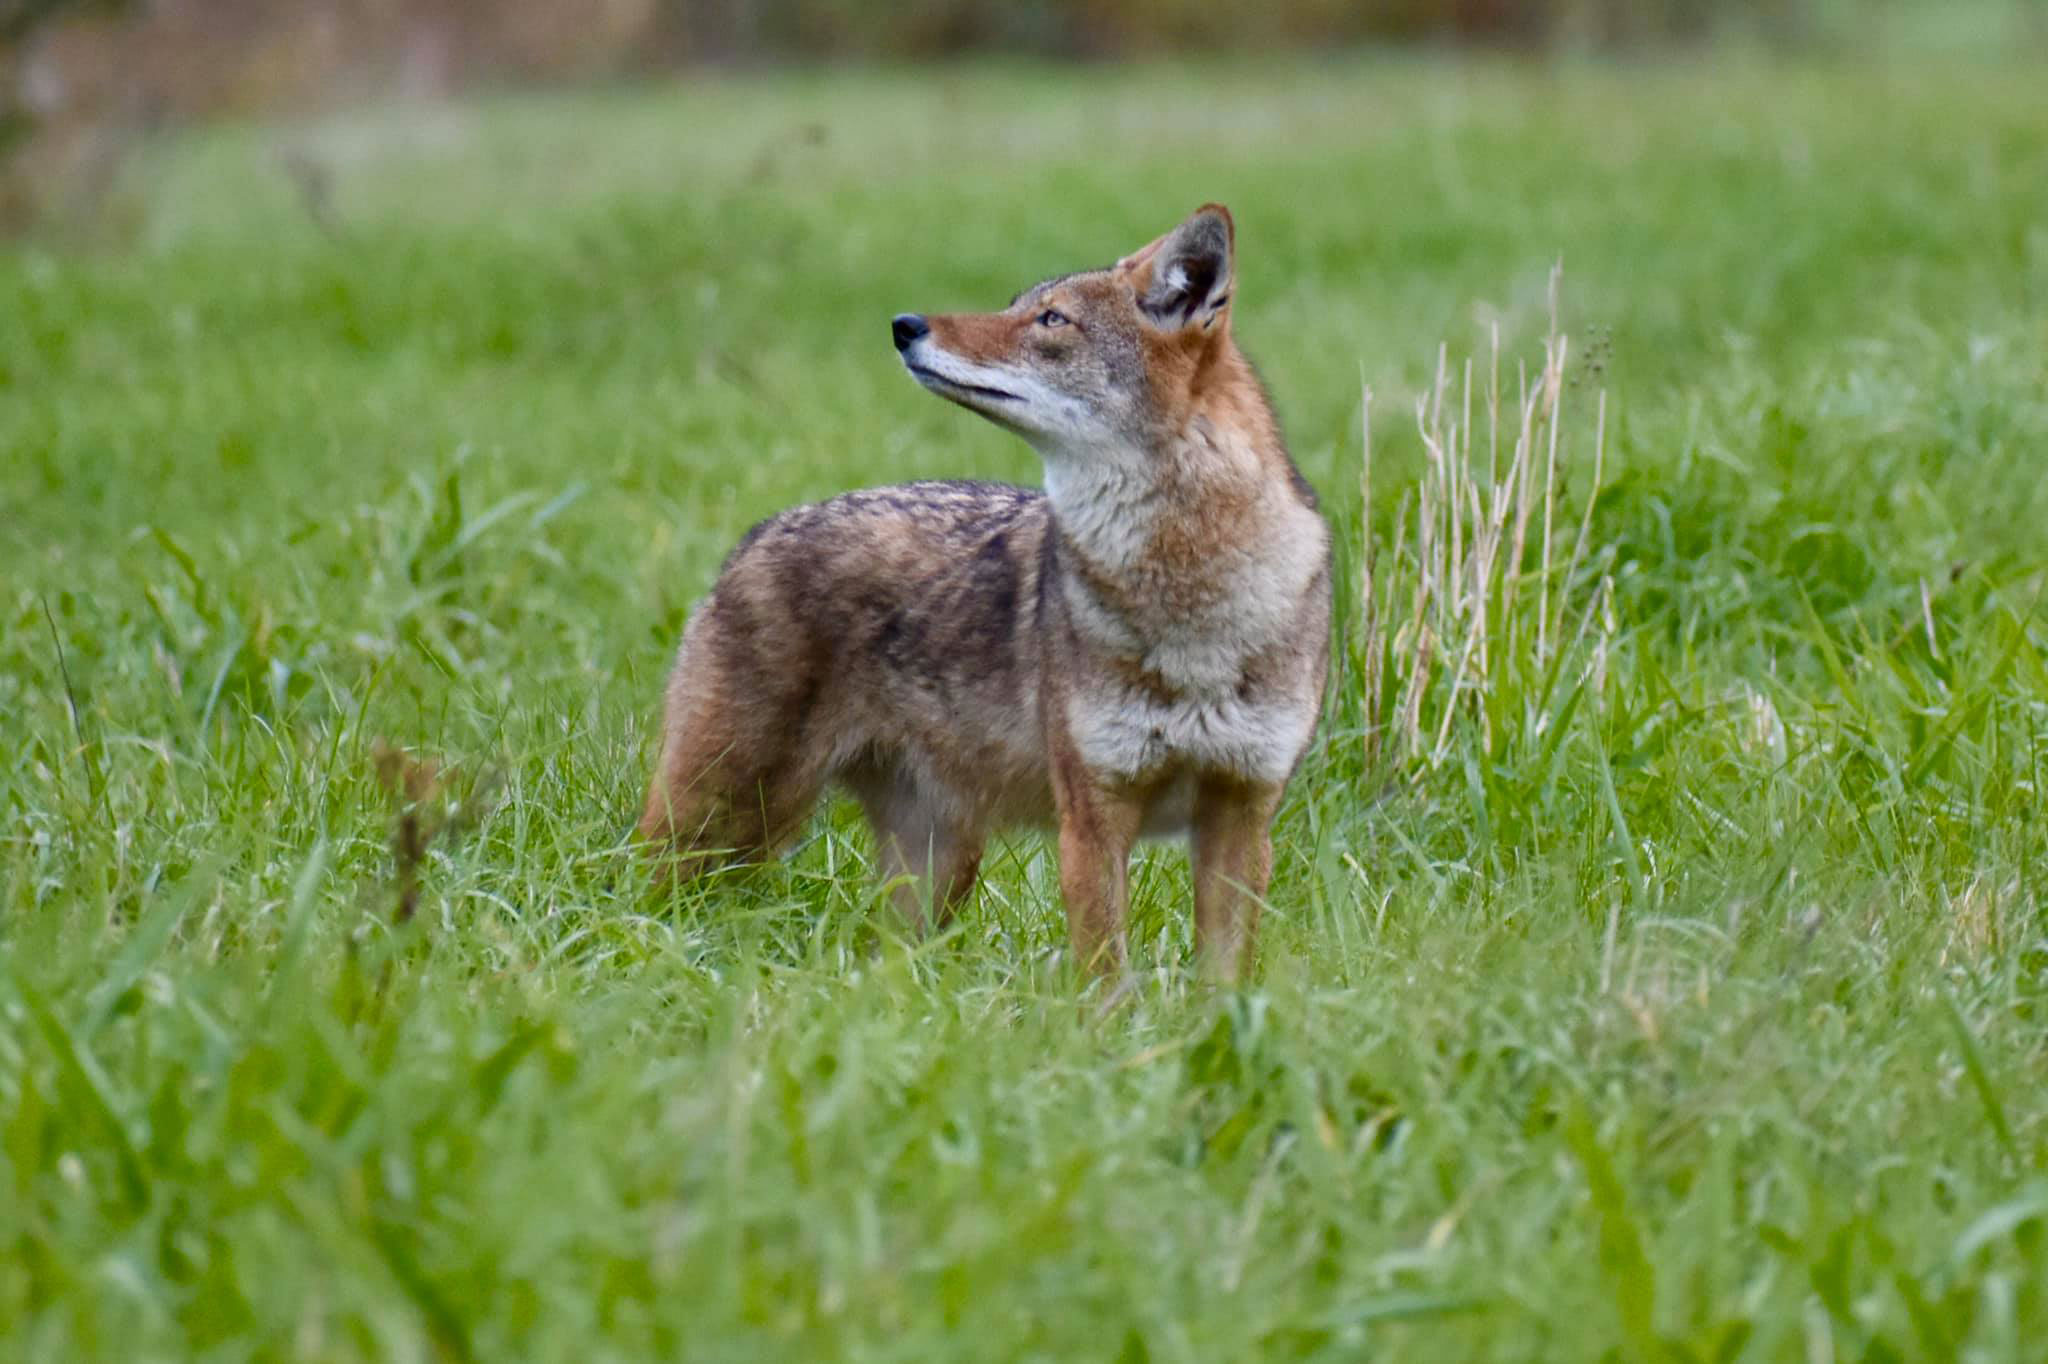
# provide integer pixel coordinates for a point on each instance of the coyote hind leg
(701, 817)
(734, 780)
(929, 859)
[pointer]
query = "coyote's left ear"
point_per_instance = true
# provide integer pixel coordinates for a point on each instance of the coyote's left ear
(1184, 278)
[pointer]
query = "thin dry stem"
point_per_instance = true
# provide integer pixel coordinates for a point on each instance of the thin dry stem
(1461, 563)
(1553, 382)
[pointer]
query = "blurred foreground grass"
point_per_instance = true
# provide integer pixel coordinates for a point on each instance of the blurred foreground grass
(1695, 1014)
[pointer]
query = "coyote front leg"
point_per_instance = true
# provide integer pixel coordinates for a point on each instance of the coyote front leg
(1097, 829)
(1233, 856)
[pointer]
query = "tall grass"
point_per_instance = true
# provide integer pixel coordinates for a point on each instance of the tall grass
(1478, 612)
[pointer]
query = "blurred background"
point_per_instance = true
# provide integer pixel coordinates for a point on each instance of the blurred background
(84, 82)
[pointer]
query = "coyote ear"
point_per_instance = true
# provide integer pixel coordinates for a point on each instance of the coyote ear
(1184, 278)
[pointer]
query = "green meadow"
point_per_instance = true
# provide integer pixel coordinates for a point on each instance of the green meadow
(1666, 980)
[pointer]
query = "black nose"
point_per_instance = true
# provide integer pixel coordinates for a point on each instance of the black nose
(908, 327)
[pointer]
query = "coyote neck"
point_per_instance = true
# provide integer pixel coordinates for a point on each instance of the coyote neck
(1201, 539)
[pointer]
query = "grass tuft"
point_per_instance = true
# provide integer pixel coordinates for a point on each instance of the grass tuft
(1478, 612)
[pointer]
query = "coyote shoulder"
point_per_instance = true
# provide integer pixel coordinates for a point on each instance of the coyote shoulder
(1139, 649)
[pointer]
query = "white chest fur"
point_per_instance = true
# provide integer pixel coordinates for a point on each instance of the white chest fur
(1201, 714)
(1136, 736)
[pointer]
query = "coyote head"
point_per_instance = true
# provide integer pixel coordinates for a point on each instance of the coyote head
(1095, 361)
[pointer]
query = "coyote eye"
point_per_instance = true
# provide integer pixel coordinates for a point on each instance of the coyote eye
(1052, 317)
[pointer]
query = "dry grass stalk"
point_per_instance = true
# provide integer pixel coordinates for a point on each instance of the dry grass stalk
(424, 809)
(1495, 570)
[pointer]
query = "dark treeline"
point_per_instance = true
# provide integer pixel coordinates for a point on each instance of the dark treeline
(82, 80)
(205, 56)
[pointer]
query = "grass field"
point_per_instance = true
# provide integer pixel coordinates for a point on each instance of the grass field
(1685, 997)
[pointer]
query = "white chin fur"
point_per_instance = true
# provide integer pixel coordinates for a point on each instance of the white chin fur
(952, 368)
(1051, 418)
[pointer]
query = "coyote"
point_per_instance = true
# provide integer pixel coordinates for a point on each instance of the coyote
(1140, 649)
